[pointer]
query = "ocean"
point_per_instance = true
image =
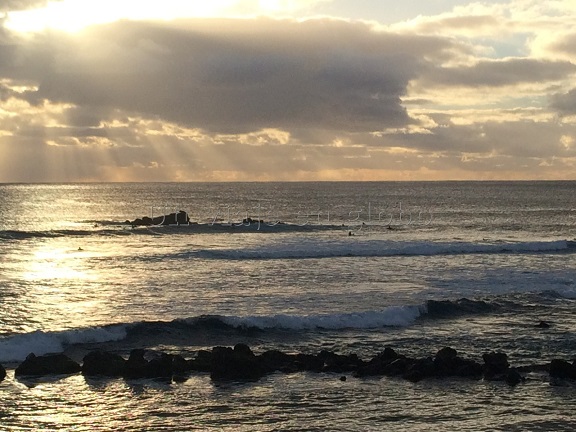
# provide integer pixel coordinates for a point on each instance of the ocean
(349, 267)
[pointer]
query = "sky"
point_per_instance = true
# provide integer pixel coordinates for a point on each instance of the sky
(287, 90)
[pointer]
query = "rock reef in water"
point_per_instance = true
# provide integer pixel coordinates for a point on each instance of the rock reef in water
(180, 218)
(240, 363)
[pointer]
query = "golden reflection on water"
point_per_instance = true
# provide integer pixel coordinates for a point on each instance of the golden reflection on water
(48, 263)
(60, 290)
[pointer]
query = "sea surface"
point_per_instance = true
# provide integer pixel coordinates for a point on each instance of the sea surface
(347, 267)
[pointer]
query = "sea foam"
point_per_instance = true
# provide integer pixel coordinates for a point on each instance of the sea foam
(16, 348)
(393, 316)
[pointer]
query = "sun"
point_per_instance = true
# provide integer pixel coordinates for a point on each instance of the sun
(74, 15)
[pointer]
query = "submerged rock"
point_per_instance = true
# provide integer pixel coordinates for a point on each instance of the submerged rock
(513, 377)
(543, 324)
(51, 364)
(2, 373)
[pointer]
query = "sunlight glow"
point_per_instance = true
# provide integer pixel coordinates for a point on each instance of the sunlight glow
(50, 264)
(74, 15)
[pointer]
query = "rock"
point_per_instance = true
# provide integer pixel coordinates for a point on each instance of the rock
(495, 365)
(202, 362)
(448, 363)
(339, 363)
(2, 373)
(446, 354)
(445, 361)
(388, 362)
(180, 218)
(104, 364)
(543, 324)
(513, 377)
(51, 364)
(420, 369)
(239, 363)
(160, 365)
(136, 365)
(274, 360)
(468, 369)
(309, 362)
(562, 369)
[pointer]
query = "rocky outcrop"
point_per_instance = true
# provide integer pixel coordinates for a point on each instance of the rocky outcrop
(180, 218)
(52, 364)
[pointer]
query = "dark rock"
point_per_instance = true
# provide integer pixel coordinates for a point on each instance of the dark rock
(562, 369)
(513, 377)
(309, 362)
(446, 354)
(447, 363)
(179, 364)
(239, 363)
(136, 366)
(2, 373)
(543, 324)
(202, 362)
(398, 366)
(103, 363)
(161, 366)
(180, 218)
(274, 360)
(495, 365)
(388, 354)
(339, 363)
(420, 369)
(388, 362)
(468, 369)
(51, 364)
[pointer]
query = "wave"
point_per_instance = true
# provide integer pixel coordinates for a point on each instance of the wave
(182, 331)
(314, 248)
(17, 347)
(25, 235)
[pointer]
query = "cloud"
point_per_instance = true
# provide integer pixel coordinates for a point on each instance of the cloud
(233, 76)
(265, 99)
(564, 103)
(504, 72)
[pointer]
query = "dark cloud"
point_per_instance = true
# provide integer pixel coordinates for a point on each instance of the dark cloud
(565, 103)
(497, 73)
(233, 75)
(565, 45)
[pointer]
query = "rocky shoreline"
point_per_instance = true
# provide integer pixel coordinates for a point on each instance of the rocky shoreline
(240, 363)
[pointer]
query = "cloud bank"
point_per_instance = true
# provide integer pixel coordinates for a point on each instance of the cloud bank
(321, 98)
